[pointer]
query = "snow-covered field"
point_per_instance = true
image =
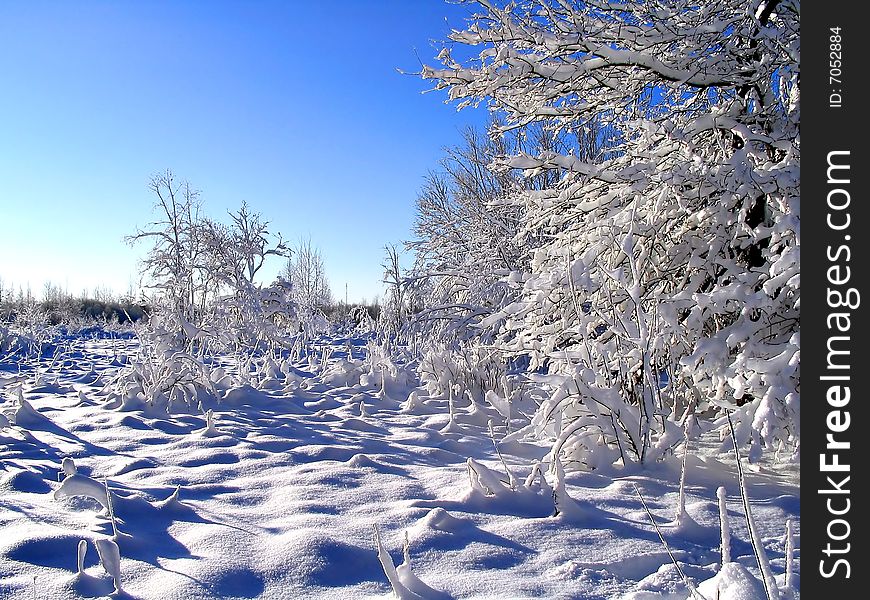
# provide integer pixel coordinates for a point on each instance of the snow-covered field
(281, 495)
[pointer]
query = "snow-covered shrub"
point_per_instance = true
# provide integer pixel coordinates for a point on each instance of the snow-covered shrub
(29, 333)
(213, 328)
(254, 319)
(345, 372)
(362, 319)
(385, 367)
(773, 420)
(470, 369)
(591, 425)
(314, 322)
(16, 342)
(666, 246)
(468, 239)
(203, 271)
(162, 376)
(490, 489)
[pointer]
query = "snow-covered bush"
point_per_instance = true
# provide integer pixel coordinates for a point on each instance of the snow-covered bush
(16, 342)
(671, 255)
(209, 313)
(361, 319)
(28, 333)
(255, 318)
(162, 377)
(470, 369)
(589, 422)
(193, 260)
(344, 372)
(384, 367)
(306, 271)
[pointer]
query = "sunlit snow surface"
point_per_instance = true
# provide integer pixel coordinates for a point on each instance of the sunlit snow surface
(279, 495)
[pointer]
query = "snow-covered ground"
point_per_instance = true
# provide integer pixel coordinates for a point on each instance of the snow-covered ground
(281, 495)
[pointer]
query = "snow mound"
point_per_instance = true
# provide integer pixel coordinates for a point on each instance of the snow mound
(732, 582)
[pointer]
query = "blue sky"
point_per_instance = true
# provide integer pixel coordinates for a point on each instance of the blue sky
(296, 108)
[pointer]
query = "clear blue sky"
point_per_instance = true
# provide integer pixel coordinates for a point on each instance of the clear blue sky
(295, 107)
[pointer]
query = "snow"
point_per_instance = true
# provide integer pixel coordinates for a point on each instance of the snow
(275, 492)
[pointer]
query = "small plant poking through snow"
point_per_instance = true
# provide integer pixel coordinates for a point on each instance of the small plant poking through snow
(413, 404)
(172, 501)
(564, 505)
(81, 552)
(22, 412)
(502, 405)
(485, 480)
(488, 487)
(452, 425)
(406, 585)
(110, 558)
(111, 509)
(210, 430)
(732, 582)
(410, 580)
(767, 578)
(694, 593)
(788, 589)
(512, 480)
(683, 524)
(400, 591)
(67, 467)
(724, 526)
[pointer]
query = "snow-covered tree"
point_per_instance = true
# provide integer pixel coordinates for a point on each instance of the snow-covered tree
(462, 245)
(234, 255)
(673, 255)
(468, 229)
(204, 273)
(236, 252)
(395, 312)
(177, 246)
(307, 276)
